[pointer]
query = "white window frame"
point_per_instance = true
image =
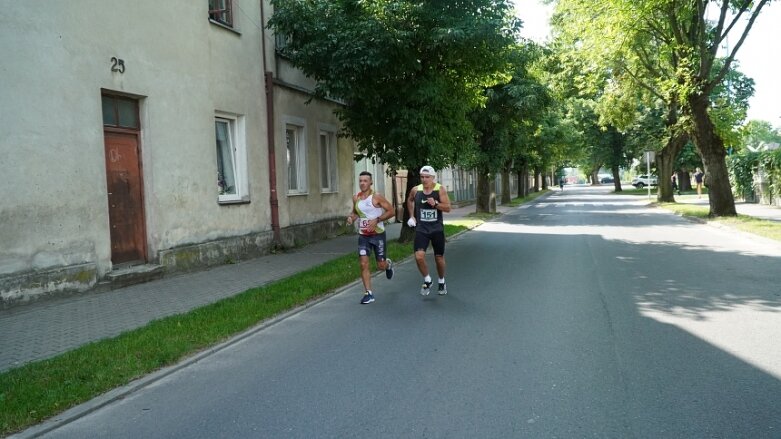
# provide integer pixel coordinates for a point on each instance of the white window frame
(329, 163)
(298, 126)
(225, 15)
(280, 42)
(238, 148)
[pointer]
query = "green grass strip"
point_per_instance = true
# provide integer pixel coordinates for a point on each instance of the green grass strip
(757, 226)
(523, 200)
(630, 190)
(36, 391)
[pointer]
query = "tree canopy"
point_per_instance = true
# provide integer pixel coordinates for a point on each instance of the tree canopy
(409, 72)
(671, 50)
(506, 125)
(450, 82)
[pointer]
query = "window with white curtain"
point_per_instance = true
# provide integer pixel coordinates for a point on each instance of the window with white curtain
(328, 164)
(296, 159)
(221, 11)
(231, 158)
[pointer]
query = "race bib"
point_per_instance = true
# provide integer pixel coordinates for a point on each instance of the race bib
(363, 224)
(428, 215)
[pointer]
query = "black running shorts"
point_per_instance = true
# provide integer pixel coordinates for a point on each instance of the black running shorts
(437, 240)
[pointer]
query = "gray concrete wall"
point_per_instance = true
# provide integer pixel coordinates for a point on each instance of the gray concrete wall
(182, 68)
(314, 205)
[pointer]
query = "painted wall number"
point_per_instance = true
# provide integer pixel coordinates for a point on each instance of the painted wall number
(117, 65)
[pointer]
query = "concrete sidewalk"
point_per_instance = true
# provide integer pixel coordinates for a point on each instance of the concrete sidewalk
(46, 328)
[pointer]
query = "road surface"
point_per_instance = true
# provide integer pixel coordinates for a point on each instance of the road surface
(584, 314)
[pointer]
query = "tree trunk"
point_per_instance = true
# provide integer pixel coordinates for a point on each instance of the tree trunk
(594, 177)
(684, 181)
(407, 233)
(617, 155)
(536, 180)
(523, 189)
(616, 178)
(486, 196)
(506, 195)
(665, 160)
(664, 167)
(711, 147)
(527, 186)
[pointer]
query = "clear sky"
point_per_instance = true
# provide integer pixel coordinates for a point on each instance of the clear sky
(760, 55)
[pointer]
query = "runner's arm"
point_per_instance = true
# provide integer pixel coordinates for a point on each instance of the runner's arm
(444, 200)
(386, 205)
(411, 202)
(352, 216)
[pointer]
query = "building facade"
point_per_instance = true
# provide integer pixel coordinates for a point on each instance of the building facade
(155, 137)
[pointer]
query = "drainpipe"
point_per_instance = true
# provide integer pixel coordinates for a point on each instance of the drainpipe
(272, 156)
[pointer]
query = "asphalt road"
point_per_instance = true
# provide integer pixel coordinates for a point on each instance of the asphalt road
(581, 315)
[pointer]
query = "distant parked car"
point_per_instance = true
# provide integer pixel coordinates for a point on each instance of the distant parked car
(606, 180)
(642, 181)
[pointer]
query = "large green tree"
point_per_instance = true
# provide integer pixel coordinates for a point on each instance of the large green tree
(671, 48)
(409, 72)
(511, 113)
(758, 133)
(698, 41)
(627, 75)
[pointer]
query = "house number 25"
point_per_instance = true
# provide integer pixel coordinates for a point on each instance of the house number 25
(117, 65)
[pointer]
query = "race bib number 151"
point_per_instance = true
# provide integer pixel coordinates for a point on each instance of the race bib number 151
(428, 215)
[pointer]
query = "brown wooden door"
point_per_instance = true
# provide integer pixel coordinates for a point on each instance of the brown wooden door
(125, 198)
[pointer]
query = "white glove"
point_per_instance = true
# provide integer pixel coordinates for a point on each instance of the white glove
(411, 222)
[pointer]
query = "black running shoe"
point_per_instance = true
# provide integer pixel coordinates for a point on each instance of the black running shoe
(442, 289)
(389, 269)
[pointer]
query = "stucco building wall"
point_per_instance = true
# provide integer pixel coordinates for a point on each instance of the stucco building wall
(183, 70)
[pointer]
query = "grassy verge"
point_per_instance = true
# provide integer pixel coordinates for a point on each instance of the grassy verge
(36, 391)
(765, 228)
(526, 199)
(630, 190)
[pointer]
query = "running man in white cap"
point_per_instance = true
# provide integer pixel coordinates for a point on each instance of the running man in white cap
(426, 204)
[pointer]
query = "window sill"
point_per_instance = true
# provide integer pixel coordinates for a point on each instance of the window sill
(224, 26)
(329, 191)
(297, 194)
(230, 202)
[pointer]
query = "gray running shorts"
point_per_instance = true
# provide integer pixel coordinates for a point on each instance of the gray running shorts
(376, 243)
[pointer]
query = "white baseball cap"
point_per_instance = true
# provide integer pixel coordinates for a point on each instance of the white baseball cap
(428, 170)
